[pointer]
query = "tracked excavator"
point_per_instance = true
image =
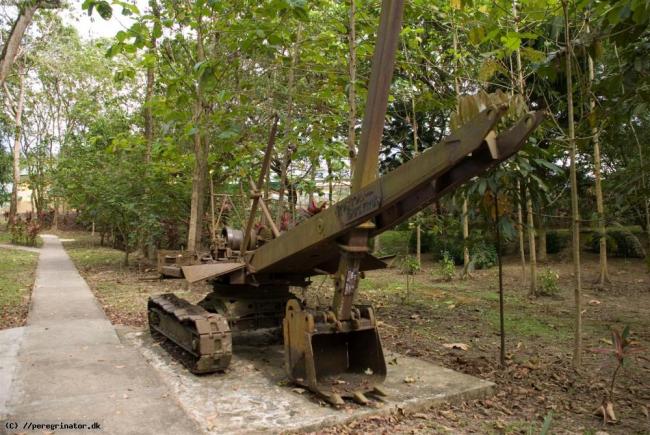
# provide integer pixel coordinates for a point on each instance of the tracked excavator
(334, 351)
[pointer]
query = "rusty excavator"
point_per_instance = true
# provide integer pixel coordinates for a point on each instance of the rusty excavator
(333, 351)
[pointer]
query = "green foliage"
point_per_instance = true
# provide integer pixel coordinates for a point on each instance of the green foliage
(394, 242)
(557, 240)
(548, 283)
(620, 243)
(409, 265)
(546, 426)
(5, 174)
(483, 255)
(25, 232)
(447, 266)
(445, 238)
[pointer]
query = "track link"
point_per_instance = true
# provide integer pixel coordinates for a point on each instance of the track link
(203, 338)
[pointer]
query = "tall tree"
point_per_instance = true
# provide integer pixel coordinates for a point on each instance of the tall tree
(603, 275)
(201, 149)
(575, 212)
(16, 106)
(26, 11)
(352, 92)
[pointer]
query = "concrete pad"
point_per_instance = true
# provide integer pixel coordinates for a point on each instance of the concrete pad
(10, 340)
(253, 395)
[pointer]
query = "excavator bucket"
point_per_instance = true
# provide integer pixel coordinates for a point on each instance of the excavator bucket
(331, 358)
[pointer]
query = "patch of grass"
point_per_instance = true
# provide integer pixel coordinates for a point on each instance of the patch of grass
(78, 239)
(16, 280)
(493, 296)
(5, 236)
(90, 258)
(525, 324)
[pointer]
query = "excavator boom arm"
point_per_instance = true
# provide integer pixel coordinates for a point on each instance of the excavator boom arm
(395, 196)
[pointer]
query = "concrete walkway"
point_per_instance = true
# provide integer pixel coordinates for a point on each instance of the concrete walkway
(72, 368)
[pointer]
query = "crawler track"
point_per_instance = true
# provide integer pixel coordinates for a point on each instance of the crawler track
(203, 338)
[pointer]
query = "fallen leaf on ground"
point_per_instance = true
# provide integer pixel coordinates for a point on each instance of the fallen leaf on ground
(594, 302)
(409, 380)
(298, 390)
(461, 346)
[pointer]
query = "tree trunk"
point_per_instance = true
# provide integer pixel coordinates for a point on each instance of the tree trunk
(519, 82)
(330, 182)
(464, 217)
(352, 92)
(575, 213)
(200, 173)
(12, 43)
(147, 243)
(289, 150)
(465, 225)
(520, 235)
(148, 110)
(18, 131)
(603, 276)
(531, 245)
(418, 229)
(541, 239)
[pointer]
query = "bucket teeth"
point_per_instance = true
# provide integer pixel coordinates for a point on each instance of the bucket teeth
(334, 399)
(379, 391)
(360, 398)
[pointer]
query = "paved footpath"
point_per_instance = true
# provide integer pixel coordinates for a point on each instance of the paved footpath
(70, 366)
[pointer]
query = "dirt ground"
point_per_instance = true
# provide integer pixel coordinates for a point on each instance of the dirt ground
(538, 380)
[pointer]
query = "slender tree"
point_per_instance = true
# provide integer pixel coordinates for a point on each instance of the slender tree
(11, 48)
(201, 149)
(575, 213)
(352, 92)
(16, 106)
(603, 276)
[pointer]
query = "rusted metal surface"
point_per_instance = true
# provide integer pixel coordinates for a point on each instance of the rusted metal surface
(199, 272)
(255, 194)
(265, 209)
(334, 358)
(249, 308)
(381, 76)
(364, 202)
(304, 245)
(204, 337)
